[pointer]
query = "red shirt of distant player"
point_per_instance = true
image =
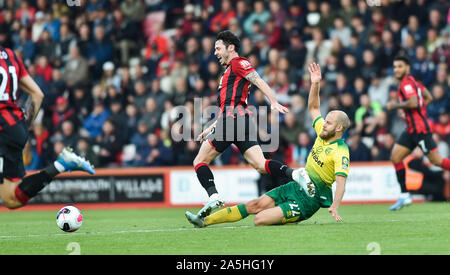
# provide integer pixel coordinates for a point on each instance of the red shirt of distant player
(416, 119)
(234, 88)
(11, 70)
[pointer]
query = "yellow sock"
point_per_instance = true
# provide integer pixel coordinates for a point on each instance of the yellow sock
(229, 214)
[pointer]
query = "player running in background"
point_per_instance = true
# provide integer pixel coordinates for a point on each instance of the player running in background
(234, 118)
(328, 161)
(413, 98)
(14, 123)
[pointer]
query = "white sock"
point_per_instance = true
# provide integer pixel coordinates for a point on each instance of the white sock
(59, 166)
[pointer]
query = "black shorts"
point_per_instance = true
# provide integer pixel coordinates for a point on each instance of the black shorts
(242, 131)
(12, 142)
(424, 141)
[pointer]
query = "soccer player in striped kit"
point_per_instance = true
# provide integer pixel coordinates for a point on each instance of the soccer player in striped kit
(15, 189)
(234, 88)
(413, 99)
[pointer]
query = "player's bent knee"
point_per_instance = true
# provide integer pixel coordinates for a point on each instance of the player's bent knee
(11, 202)
(259, 220)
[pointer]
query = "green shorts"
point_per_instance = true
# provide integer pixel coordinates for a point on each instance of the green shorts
(295, 203)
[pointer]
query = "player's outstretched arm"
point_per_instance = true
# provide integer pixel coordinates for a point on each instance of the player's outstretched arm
(34, 102)
(256, 80)
(410, 103)
(313, 98)
(340, 190)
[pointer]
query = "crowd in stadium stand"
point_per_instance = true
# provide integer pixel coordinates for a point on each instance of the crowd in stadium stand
(114, 71)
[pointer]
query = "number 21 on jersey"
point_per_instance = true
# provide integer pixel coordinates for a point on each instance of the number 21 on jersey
(4, 96)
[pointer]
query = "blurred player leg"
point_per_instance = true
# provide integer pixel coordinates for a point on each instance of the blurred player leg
(256, 159)
(16, 194)
(399, 152)
(206, 154)
(436, 159)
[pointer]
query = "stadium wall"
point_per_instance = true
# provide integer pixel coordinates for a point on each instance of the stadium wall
(371, 182)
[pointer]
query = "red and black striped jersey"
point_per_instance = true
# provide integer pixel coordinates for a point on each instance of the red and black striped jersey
(234, 88)
(416, 119)
(11, 71)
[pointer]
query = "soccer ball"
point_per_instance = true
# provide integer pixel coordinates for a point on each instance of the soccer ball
(69, 219)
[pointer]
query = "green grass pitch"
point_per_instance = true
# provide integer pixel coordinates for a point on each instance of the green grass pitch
(422, 228)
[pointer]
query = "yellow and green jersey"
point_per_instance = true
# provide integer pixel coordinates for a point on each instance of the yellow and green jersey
(327, 160)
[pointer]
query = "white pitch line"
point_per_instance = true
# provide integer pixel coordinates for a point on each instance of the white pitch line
(117, 232)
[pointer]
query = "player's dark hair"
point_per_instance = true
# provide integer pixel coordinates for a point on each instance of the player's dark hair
(228, 39)
(402, 57)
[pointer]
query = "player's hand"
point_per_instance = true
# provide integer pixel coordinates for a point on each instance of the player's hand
(202, 136)
(314, 72)
(333, 211)
(280, 108)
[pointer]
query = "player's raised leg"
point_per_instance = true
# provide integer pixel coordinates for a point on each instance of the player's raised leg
(16, 194)
(399, 152)
(436, 159)
(205, 156)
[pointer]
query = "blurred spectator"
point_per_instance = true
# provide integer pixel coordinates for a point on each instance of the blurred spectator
(132, 118)
(93, 123)
(442, 126)
(357, 149)
(296, 52)
(413, 28)
(347, 105)
(84, 149)
(25, 45)
(82, 102)
(155, 153)
(100, 51)
(378, 90)
(31, 159)
(62, 112)
(133, 10)
(440, 103)
(109, 77)
(151, 115)
(259, 14)
(44, 68)
(63, 44)
(25, 13)
(189, 153)
(422, 68)
(383, 151)
(109, 144)
(118, 118)
(221, 20)
(341, 31)
(366, 118)
(290, 128)
(318, 49)
(327, 16)
(69, 135)
(347, 11)
(46, 46)
(301, 150)
(38, 26)
(76, 70)
(139, 138)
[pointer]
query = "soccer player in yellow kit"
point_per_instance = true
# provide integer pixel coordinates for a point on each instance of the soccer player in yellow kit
(328, 162)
